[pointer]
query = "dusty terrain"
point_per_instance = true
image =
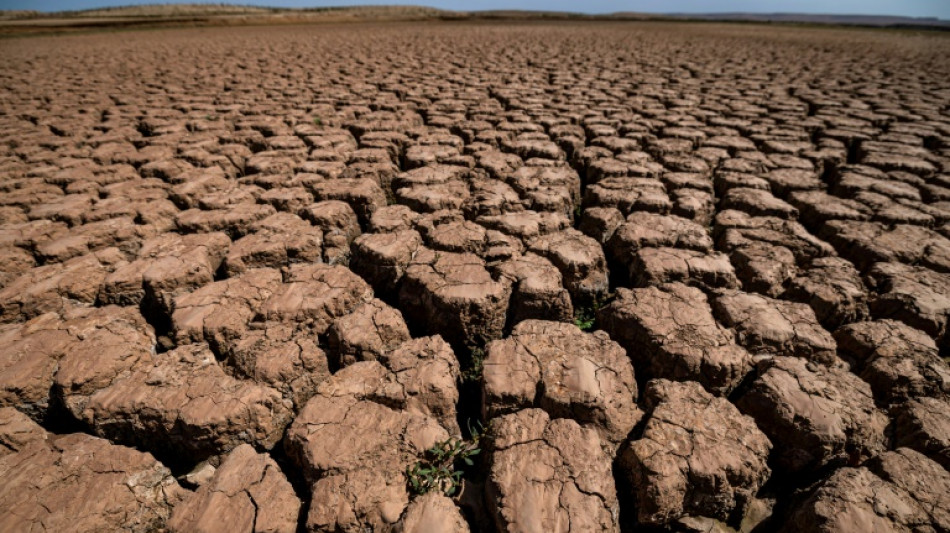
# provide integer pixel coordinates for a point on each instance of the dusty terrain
(672, 277)
(202, 15)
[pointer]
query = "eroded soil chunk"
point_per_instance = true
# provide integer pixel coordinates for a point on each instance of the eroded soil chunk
(698, 455)
(898, 491)
(820, 415)
(455, 296)
(184, 402)
(248, 492)
(669, 332)
(568, 373)
(550, 475)
(355, 440)
(82, 483)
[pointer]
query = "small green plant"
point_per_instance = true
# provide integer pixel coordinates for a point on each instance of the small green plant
(318, 122)
(472, 373)
(443, 465)
(585, 316)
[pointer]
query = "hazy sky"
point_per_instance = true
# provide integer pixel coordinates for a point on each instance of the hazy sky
(912, 8)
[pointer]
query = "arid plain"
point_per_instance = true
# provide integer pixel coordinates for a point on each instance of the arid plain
(452, 276)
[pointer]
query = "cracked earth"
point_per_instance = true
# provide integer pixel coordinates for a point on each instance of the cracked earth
(688, 277)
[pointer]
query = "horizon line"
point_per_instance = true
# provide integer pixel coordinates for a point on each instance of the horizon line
(351, 6)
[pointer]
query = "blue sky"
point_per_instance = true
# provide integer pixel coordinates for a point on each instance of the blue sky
(912, 8)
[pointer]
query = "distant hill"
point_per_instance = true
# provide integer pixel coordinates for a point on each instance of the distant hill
(168, 10)
(205, 10)
(164, 15)
(18, 15)
(18, 22)
(862, 20)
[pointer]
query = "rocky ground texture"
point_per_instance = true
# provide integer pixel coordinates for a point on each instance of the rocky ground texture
(625, 277)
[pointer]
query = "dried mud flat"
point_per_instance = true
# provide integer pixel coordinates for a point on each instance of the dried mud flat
(690, 278)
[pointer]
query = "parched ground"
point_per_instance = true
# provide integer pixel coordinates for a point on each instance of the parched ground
(690, 278)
